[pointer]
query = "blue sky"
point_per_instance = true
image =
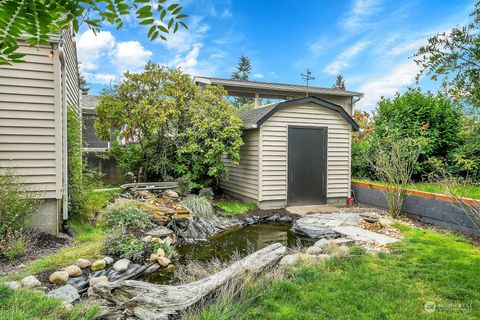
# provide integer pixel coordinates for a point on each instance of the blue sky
(368, 41)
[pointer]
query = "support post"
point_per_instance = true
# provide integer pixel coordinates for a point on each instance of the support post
(257, 97)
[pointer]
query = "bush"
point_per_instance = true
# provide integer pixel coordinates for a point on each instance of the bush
(15, 248)
(200, 206)
(160, 245)
(361, 167)
(127, 217)
(122, 245)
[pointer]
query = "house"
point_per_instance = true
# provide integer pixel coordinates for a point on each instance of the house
(297, 151)
(34, 96)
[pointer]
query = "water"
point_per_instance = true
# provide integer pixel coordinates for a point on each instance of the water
(242, 240)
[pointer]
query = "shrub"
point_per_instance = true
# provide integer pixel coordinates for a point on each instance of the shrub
(15, 247)
(122, 245)
(160, 245)
(200, 206)
(361, 167)
(127, 217)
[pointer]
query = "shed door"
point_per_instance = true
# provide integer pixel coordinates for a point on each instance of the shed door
(307, 165)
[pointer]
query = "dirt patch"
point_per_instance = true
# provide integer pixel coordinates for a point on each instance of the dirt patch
(38, 244)
(43, 278)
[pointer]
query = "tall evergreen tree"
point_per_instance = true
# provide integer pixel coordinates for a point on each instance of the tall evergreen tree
(339, 83)
(84, 84)
(244, 68)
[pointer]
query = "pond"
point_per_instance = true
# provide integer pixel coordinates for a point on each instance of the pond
(242, 240)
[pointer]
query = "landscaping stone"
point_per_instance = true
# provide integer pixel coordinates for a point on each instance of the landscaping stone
(95, 280)
(314, 251)
(289, 260)
(163, 261)
(108, 260)
(321, 225)
(30, 282)
(168, 241)
(59, 277)
(161, 252)
(68, 306)
(159, 232)
(74, 271)
(171, 194)
(13, 284)
(67, 293)
(154, 267)
(156, 239)
(153, 257)
(83, 263)
(360, 234)
(121, 265)
(322, 243)
(98, 265)
(147, 239)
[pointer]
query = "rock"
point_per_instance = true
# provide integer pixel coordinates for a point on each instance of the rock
(360, 234)
(121, 265)
(154, 267)
(30, 282)
(13, 284)
(314, 251)
(170, 268)
(161, 252)
(98, 265)
(68, 306)
(321, 243)
(155, 239)
(147, 239)
(83, 263)
(171, 194)
(108, 260)
(322, 225)
(168, 241)
(160, 232)
(95, 280)
(289, 260)
(331, 248)
(153, 257)
(73, 271)
(59, 277)
(67, 293)
(163, 261)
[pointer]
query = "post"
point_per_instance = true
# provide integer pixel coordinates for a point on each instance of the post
(257, 96)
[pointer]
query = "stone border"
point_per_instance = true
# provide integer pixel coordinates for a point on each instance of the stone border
(437, 209)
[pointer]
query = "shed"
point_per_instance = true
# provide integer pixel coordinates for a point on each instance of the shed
(296, 152)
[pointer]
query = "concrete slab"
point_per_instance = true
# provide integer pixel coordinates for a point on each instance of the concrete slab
(360, 234)
(305, 210)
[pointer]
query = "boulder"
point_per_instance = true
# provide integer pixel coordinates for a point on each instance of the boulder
(163, 261)
(147, 239)
(95, 280)
(59, 277)
(67, 293)
(83, 263)
(98, 265)
(159, 232)
(314, 251)
(161, 252)
(30, 282)
(108, 260)
(13, 284)
(121, 265)
(74, 271)
(289, 260)
(171, 194)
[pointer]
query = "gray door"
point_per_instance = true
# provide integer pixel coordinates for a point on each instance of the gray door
(307, 165)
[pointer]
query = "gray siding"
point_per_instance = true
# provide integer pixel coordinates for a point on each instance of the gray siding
(273, 164)
(243, 179)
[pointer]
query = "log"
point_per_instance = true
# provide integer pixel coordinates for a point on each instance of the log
(143, 300)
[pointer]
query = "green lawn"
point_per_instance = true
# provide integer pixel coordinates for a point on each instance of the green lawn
(234, 207)
(469, 191)
(425, 266)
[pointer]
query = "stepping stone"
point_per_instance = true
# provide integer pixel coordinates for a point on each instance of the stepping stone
(360, 234)
(321, 225)
(67, 293)
(304, 210)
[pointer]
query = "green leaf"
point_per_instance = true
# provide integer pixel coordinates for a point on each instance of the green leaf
(147, 21)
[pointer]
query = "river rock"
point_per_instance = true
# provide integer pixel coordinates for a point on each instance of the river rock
(154, 267)
(98, 265)
(156, 239)
(83, 263)
(30, 282)
(147, 239)
(108, 260)
(13, 284)
(161, 252)
(153, 257)
(171, 194)
(168, 241)
(160, 232)
(289, 260)
(93, 281)
(59, 277)
(121, 265)
(74, 271)
(67, 293)
(163, 261)
(314, 251)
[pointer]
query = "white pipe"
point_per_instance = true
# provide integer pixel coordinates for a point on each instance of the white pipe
(61, 56)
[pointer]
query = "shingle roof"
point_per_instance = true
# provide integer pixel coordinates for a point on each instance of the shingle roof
(89, 102)
(256, 117)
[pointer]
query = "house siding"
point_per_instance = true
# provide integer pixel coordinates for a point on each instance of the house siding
(274, 137)
(243, 179)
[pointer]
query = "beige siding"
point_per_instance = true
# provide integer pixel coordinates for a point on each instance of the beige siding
(274, 145)
(344, 102)
(243, 179)
(28, 118)
(72, 76)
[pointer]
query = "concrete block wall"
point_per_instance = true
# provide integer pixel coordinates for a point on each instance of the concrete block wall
(441, 212)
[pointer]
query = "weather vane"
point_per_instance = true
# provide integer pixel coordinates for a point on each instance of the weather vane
(307, 77)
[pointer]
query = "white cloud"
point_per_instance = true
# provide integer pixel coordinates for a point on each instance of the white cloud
(357, 18)
(388, 84)
(131, 55)
(343, 60)
(183, 40)
(226, 14)
(257, 75)
(189, 62)
(100, 78)
(92, 47)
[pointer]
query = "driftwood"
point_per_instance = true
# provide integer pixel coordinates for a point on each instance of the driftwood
(143, 300)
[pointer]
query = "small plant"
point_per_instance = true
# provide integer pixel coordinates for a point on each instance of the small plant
(127, 217)
(168, 249)
(184, 185)
(200, 206)
(234, 207)
(122, 246)
(207, 193)
(15, 248)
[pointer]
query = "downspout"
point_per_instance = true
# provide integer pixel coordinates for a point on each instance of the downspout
(65, 227)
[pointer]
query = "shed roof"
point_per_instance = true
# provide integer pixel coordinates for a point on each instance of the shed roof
(256, 117)
(89, 103)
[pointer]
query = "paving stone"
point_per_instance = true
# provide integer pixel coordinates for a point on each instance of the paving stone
(321, 225)
(360, 234)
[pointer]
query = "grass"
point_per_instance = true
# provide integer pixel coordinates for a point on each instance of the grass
(234, 207)
(471, 191)
(424, 267)
(25, 304)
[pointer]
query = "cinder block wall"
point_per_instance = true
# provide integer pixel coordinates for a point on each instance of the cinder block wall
(427, 209)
